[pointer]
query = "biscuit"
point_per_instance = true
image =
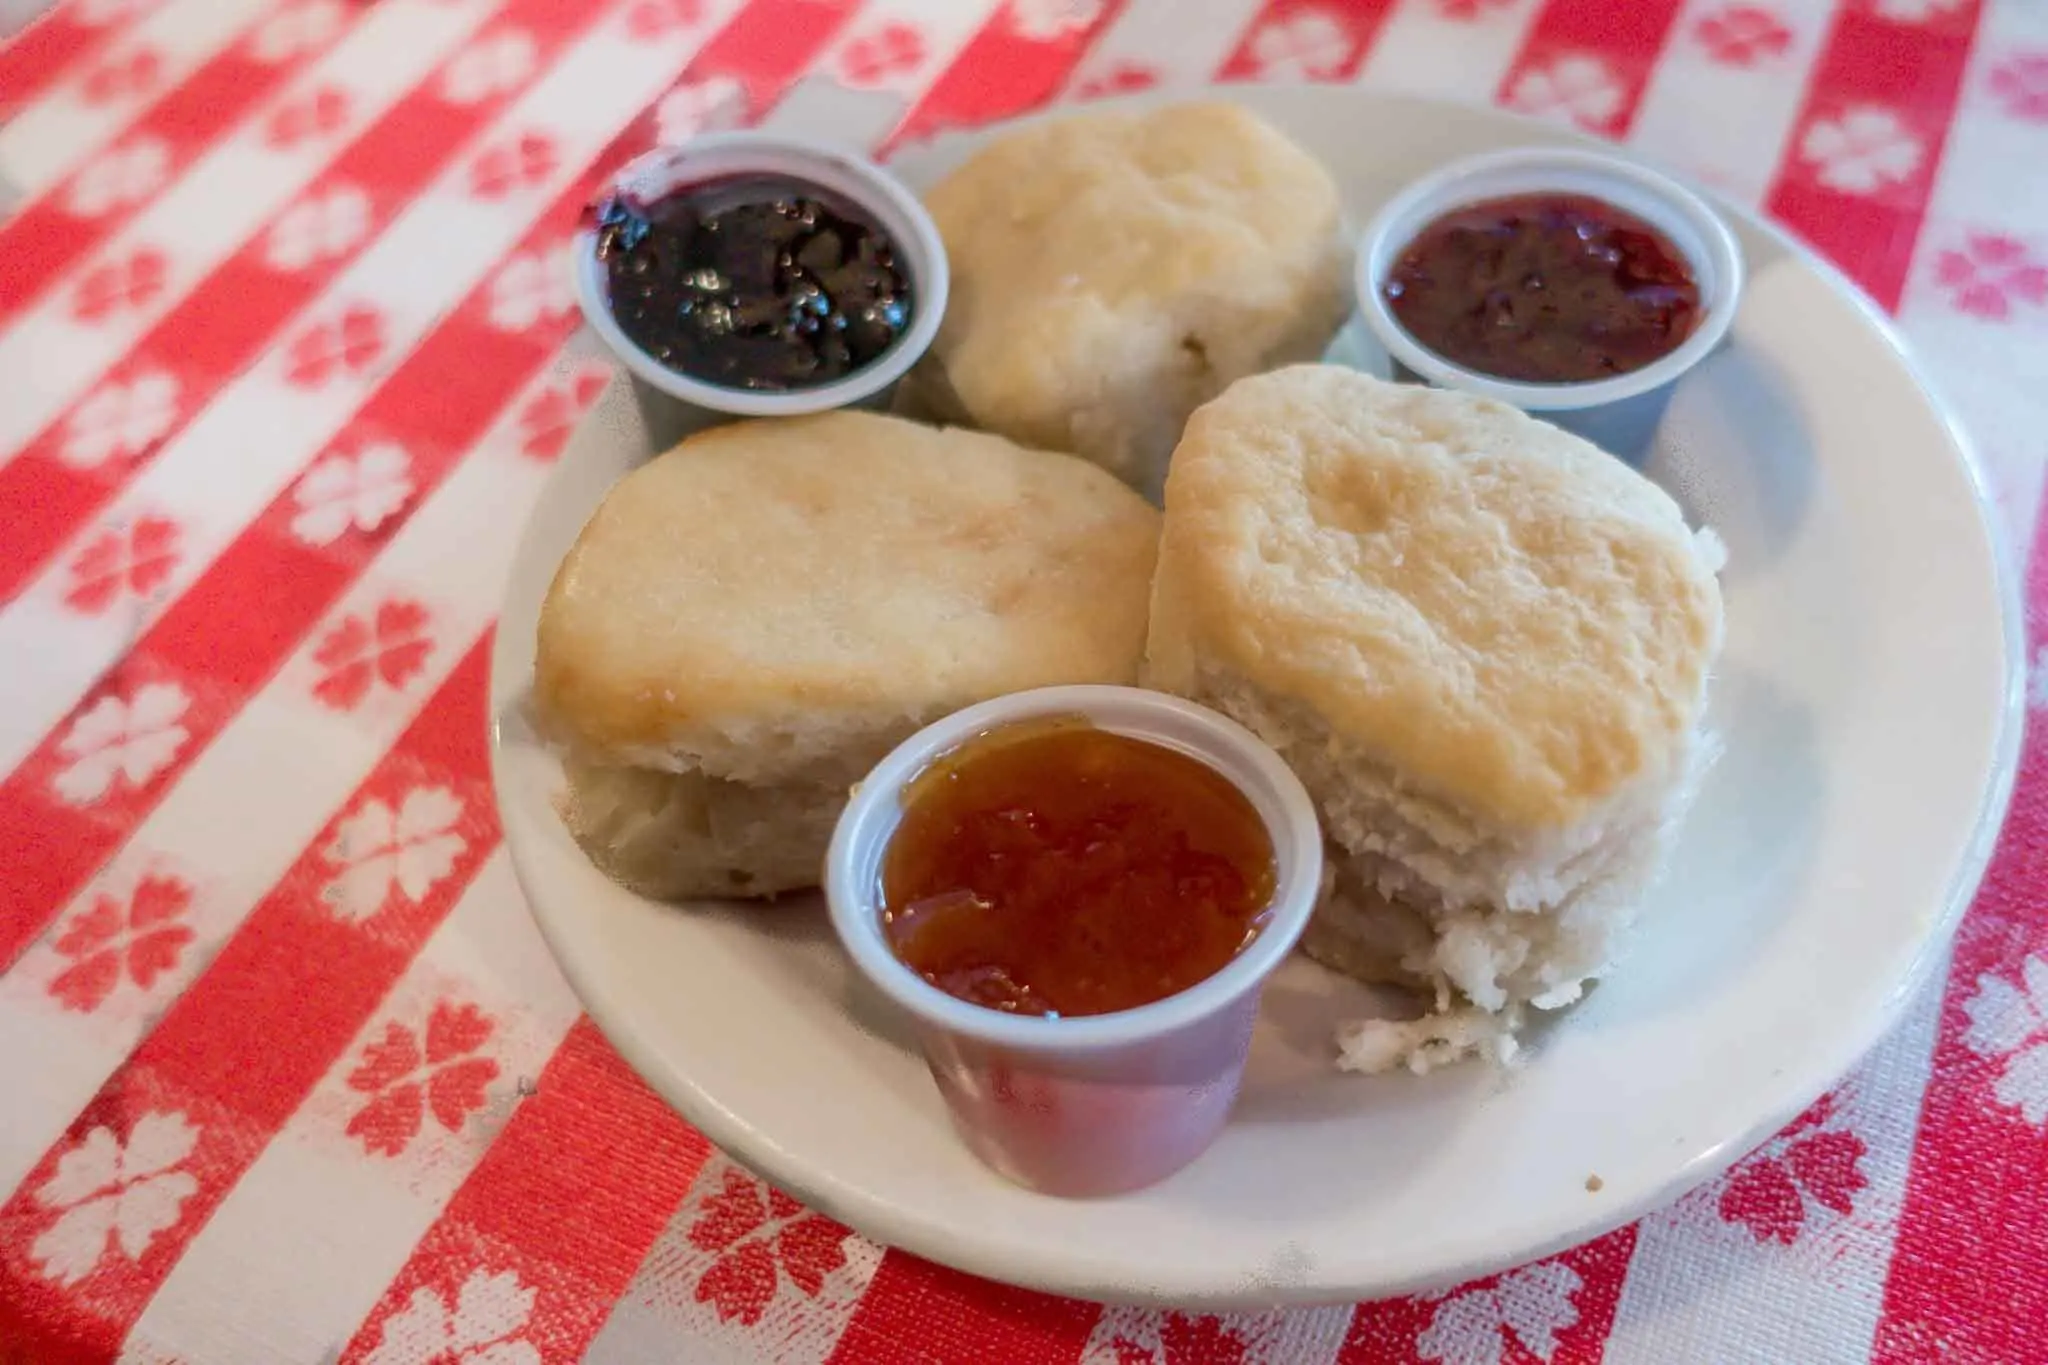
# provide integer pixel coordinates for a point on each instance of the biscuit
(1482, 643)
(1111, 271)
(776, 604)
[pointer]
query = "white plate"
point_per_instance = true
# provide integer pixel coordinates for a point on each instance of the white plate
(1870, 700)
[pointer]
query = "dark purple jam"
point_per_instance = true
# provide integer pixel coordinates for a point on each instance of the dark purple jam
(753, 282)
(1554, 288)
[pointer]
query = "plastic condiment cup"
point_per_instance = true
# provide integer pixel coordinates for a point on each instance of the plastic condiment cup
(1620, 412)
(842, 175)
(1096, 1104)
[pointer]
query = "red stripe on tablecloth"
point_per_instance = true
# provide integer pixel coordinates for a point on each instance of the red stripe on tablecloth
(568, 1200)
(957, 1319)
(1624, 40)
(1007, 68)
(1258, 50)
(231, 631)
(1873, 74)
(1965, 1281)
(237, 1054)
(231, 315)
(293, 972)
(776, 46)
(1394, 1331)
(34, 58)
(764, 49)
(46, 236)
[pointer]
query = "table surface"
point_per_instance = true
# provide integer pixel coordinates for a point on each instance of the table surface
(285, 353)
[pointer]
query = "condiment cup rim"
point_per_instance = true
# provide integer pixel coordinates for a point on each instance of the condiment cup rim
(852, 866)
(1701, 234)
(895, 208)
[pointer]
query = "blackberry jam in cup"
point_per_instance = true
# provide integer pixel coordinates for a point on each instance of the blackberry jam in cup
(754, 275)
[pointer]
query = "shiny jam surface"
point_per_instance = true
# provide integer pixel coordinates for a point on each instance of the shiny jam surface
(1060, 869)
(1551, 288)
(752, 282)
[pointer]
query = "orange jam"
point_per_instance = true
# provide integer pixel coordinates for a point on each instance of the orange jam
(1058, 869)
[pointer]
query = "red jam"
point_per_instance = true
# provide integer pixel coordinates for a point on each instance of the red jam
(1550, 288)
(1060, 869)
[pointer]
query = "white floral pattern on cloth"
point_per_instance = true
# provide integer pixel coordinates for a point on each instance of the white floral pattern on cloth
(2037, 679)
(532, 287)
(695, 107)
(1515, 1318)
(2009, 1026)
(120, 419)
(120, 176)
(654, 18)
(114, 1196)
(1862, 150)
(1309, 44)
(345, 492)
(492, 65)
(1811, 1169)
(298, 28)
(123, 561)
(118, 740)
(1048, 21)
(484, 1326)
(1914, 11)
(319, 228)
(1575, 85)
(381, 849)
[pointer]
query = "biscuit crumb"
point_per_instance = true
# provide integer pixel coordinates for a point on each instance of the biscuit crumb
(1594, 1184)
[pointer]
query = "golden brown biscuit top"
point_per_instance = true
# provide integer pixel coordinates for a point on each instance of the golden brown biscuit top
(1099, 249)
(769, 585)
(1504, 615)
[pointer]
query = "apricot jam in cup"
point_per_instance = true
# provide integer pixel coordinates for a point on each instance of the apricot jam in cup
(1077, 894)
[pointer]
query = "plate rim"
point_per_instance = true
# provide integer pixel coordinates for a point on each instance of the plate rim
(1074, 1275)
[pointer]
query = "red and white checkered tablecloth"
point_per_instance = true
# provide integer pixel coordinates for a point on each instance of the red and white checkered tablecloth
(286, 350)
